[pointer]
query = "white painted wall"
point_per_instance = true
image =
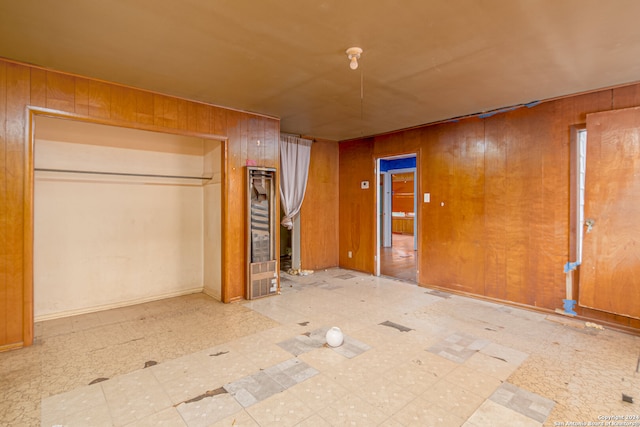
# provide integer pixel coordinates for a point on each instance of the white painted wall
(213, 220)
(103, 241)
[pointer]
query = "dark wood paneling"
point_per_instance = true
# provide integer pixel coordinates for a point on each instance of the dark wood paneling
(319, 213)
(234, 273)
(495, 189)
(503, 232)
(5, 227)
(611, 257)
(144, 108)
(123, 102)
(452, 223)
(38, 88)
(60, 92)
(624, 97)
(357, 208)
(17, 96)
(81, 98)
(100, 101)
(402, 193)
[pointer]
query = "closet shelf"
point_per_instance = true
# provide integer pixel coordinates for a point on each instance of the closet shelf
(145, 175)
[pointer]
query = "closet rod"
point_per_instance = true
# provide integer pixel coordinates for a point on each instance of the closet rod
(122, 174)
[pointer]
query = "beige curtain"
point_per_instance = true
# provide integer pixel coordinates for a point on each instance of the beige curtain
(295, 154)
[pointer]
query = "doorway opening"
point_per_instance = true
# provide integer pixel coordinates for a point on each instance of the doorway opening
(396, 220)
(290, 245)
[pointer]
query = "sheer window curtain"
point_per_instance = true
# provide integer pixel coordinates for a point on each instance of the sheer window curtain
(295, 154)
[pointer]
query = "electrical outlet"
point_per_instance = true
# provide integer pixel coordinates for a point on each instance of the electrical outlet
(350, 254)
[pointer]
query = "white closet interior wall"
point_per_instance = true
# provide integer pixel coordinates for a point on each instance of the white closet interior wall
(106, 240)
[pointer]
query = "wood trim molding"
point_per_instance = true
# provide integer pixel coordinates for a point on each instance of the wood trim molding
(28, 207)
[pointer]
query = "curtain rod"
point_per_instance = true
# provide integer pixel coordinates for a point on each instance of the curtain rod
(297, 135)
(122, 174)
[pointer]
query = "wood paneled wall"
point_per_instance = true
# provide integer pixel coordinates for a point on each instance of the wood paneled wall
(497, 225)
(25, 88)
(357, 210)
(319, 212)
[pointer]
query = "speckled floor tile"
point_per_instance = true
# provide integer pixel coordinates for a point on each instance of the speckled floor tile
(314, 421)
(134, 396)
(458, 347)
(477, 382)
(239, 419)
(530, 404)
(411, 376)
(352, 411)
(194, 345)
(205, 412)
(319, 391)
(385, 396)
(452, 397)
(422, 413)
(494, 414)
(252, 389)
(169, 417)
(283, 409)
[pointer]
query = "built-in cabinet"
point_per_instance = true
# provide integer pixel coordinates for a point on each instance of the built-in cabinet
(402, 225)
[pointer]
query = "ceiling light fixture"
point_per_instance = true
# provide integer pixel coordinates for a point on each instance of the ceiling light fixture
(354, 54)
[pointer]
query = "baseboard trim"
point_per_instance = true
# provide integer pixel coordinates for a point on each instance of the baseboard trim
(120, 304)
(11, 346)
(210, 293)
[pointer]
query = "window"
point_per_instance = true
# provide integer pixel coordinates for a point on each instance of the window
(577, 191)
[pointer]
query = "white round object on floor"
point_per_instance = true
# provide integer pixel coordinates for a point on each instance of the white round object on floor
(334, 337)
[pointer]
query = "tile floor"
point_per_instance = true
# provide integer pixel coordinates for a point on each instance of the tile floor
(412, 356)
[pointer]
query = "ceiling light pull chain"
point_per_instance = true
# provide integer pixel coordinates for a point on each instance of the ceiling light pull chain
(361, 103)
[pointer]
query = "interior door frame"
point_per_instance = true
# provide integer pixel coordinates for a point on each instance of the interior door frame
(379, 205)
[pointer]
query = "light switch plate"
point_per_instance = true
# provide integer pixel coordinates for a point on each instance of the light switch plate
(427, 197)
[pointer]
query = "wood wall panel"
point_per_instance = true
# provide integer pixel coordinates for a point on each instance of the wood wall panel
(495, 180)
(5, 227)
(357, 208)
(452, 222)
(82, 97)
(17, 96)
(100, 101)
(504, 230)
(611, 257)
(220, 121)
(144, 108)
(60, 92)
(38, 88)
(123, 102)
(624, 97)
(77, 97)
(319, 214)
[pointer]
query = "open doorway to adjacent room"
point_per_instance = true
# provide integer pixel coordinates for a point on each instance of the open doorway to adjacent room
(397, 221)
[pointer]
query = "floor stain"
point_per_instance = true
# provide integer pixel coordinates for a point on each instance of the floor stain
(208, 393)
(396, 326)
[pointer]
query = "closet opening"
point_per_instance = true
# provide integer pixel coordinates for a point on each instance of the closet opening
(122, 216)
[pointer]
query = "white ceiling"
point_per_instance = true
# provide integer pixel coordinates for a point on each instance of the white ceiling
(423, 61)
